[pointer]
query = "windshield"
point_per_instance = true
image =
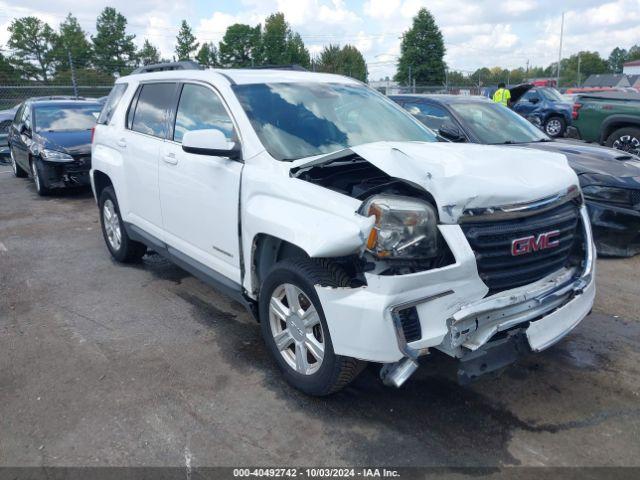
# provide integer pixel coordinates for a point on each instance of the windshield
(61, 118)
(552, 94)
(495, 124)
(297, 120)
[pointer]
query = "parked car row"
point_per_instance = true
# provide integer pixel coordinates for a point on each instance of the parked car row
(353, 231)
(610, 179)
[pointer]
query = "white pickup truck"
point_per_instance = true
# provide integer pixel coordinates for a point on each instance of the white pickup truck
(342, 224)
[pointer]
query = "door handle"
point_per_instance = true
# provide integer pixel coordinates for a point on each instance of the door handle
(170, 158)
(122, 143)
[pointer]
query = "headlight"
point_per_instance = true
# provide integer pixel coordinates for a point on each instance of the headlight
(608, 194)
(55, 156)
(404, 228)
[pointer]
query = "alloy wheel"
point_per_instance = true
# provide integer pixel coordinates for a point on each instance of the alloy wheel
(628, 143)
(111, 225)
(553, 127)
(36, 177)
(296, 329)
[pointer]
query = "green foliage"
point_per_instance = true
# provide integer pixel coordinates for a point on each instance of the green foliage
(186, 44)
(148, 54)
(282, 46)
(8, 74)
(422, 52)
(617, 57)
(32, 42)
(344, 61)
(634, 53)
(71, 39)
(208, 55)
(240, 46)
(114, 50)
(590, 63)
(84, 76)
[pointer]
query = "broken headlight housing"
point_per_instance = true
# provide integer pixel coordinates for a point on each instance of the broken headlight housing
(405, 227)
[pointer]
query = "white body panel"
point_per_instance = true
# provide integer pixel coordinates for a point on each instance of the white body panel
(199, 199)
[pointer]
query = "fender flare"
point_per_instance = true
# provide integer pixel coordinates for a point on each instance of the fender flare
(613, 122)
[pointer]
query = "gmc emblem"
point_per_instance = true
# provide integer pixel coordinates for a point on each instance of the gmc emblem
(524, 245)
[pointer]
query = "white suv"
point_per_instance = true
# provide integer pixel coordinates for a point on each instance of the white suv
(341, 223)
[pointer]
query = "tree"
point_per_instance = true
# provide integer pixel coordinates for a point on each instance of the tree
(148, 54)
(422, 52)
(8, 74)
(186, 44)
(274, 40)
(281, 45)
(590, 63)
(240, 46)
(207, 55)
(297, 53)
(344, 61)
(71, 39)
(114, 50)
(32, 42)
(617, 57)
(634, 53)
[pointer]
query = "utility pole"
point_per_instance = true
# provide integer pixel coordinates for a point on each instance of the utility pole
(73, 74)
(527, 74)
(579, 69)
(560, 51)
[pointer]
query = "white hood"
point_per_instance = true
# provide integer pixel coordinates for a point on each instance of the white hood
(460, 176)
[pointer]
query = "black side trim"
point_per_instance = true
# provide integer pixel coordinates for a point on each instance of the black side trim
(195, 268)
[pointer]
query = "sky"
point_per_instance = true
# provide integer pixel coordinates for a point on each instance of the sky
(477, 34)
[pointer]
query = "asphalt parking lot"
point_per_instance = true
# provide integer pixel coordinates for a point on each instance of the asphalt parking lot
(104, 364)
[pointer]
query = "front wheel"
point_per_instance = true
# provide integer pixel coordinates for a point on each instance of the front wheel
(122, 248)
(295, 330)
(17, 169)
(555, 127)
(626, 139)
(39, 180)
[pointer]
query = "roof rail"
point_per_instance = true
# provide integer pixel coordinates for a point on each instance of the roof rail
(161, 67)
(297, 68)
(56, 97)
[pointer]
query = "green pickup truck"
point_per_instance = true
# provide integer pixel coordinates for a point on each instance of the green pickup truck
(608, 118)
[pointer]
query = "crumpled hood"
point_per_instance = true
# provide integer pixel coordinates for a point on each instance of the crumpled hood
(461, 176)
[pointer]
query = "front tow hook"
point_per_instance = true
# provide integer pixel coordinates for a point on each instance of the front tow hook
(395, 374)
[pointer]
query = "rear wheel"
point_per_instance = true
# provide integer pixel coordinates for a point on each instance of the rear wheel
(626, 139)
(17, 169)
(122, 248)
(555, 127)
(295, 330)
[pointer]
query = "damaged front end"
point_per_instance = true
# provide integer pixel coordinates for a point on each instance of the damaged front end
(461, 288)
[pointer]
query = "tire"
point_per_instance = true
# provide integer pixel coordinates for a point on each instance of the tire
(555, 126)
(122, 248)
(296, 278)
(40, 182)
(18, 171)
(626, 139)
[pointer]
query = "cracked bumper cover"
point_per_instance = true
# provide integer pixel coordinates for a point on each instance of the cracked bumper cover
(450, 300)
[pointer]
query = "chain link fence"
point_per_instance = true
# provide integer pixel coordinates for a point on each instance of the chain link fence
(12, 95)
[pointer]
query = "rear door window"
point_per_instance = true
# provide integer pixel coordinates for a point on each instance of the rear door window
(150, 115)
(431, 115)
(110, 105)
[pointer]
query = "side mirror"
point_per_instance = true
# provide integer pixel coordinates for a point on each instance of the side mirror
(210, 142)
(451, 132)
(25, 130)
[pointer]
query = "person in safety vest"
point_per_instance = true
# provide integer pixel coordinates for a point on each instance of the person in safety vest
(502, 95)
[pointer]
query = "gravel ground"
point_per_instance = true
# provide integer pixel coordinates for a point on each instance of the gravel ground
(104, 364)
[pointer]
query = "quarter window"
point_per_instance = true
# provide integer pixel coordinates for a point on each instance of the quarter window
(151, 110)
(201, 109)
